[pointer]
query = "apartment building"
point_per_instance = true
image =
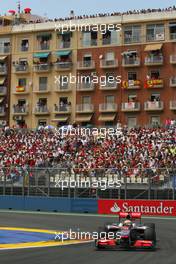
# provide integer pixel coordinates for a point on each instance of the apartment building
(143, 53)
(141, 57)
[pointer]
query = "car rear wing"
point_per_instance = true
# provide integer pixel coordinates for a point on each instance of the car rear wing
(132, 216)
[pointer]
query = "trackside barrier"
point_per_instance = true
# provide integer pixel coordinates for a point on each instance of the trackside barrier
(146, 207)
(49, 204)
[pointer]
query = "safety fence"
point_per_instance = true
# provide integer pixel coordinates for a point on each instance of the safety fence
(124, 183)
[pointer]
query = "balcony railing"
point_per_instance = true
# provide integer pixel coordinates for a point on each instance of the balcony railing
(2, 111)
(62, 109)
(173, 59)
(63, 88)
(153, 106)
(85, 86)
(43, 88)
(84, 65)
(84, 108)
(173, 82)
(3, 90)
(154, 60)
(63, 65)
(131, 107)
(109, 86)
(108, 63)
(45, 67)
(3, 69)
(131, 84)
(106, 41)
(131, 62)
(20, 110)
(21, 68)
(172, 36)
(108, 107)
(173, 105)
(5, 49)
(41, 110)
(24, 48)
(65, 44)
(132, 39)
(43, 46)
(92, 42)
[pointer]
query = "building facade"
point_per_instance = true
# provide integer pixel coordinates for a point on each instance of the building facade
(126, 75)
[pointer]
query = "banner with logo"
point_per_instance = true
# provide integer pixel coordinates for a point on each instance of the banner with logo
(146, 207)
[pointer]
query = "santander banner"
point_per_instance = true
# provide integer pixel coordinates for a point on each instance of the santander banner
(146, 207)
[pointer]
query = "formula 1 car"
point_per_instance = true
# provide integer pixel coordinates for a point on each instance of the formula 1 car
(127, 234)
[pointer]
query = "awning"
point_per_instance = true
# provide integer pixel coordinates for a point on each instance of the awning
(153, 47)
(129, 52)
(2, 58)
(63, 53)
(104, 117)
(85, 118)
(60, 119)
(41, 55)
(2, 80)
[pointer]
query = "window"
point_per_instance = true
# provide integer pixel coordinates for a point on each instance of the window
(64, 81)
(132, 34)
(44, 41)
(43, 83)
(89, 38)
(132, 76)
(155, 120)
(86, 100)
(42, 122)
(132, 98)
(110, 37)
(172, 30)
(24, 45)
(132, 122)
(109, 99)
(22, 82)
(155, 97)
(87, 59)
(66, 40)
(155, 32)
(110, 56)
(155, 74)
(4, 45)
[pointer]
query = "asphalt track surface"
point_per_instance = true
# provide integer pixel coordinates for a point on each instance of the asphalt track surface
(85, 253)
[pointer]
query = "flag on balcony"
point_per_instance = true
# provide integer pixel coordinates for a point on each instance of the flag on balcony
(151, 83)
(20, 89)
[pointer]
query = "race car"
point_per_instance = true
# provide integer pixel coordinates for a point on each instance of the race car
(127, 234)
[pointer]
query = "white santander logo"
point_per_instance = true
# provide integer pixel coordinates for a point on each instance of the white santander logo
(115, 208)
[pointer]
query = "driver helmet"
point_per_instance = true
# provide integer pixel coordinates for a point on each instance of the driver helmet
(127, 223)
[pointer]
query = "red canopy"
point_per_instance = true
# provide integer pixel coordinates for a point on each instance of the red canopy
(12, 11)
(27, 10)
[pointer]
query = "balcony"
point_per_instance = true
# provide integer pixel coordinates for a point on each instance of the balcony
(63, 88)
(3, 69)
(41, 110)
(65, 44)
(110, 107)
(45, 67)
(62, 109)
(130, 107)
(42, 89)
(21, 90)
(173, 105)
(131, 62)
(5, 50)
(109, 86)
(154, 83)
(20, 110)
(154, 60)
(153, 106)
(63, 66)
(131, 84)
(106, 64)
(85, 87)
(20, 69)
(84, 108)
(86, 65)
(173, 82)
(24, 48)
(43, 46)
(2, 111)
(106, 41)
(89, 43)
(3, 90)
(173, 59)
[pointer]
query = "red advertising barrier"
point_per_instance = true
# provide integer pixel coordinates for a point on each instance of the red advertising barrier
(146, 207)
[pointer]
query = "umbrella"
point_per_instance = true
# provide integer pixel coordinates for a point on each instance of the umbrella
(12, 11)
(49, 127)
(27, 10)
